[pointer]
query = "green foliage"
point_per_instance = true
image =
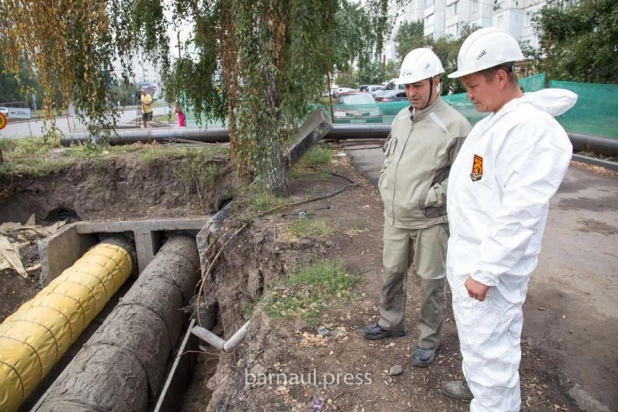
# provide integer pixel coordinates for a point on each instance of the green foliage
(389, 71)
(304, 291)
(409, 37)
(252, 64)
(18, 87)
(347, 78)
(584, 40)
(359, 37)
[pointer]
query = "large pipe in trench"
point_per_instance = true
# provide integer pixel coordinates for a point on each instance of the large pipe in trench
(35, 337)
(582, 142)
(122, 366)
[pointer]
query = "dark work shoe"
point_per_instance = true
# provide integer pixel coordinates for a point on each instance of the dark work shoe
(422, 357)
(458, 390)
(375, 332)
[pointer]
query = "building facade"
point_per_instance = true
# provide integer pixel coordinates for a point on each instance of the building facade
(448, 17)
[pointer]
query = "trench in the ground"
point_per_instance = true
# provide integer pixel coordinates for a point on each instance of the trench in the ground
(46, 198)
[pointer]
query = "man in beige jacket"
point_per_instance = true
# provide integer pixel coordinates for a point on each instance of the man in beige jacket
(420, 150)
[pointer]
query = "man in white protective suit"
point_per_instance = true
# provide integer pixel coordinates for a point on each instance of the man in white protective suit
(511, 164)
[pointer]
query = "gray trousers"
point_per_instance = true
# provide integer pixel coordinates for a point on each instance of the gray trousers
(426, 248)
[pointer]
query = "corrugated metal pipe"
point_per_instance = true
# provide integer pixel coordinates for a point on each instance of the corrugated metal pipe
(581, 142)
(35, 337)
(122, 367)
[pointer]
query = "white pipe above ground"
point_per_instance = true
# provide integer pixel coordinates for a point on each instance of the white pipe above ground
(219, 343)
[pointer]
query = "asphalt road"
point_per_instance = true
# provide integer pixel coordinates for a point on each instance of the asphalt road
(66, 124)
(571, 313)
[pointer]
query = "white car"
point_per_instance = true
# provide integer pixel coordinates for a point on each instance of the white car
(388, 86)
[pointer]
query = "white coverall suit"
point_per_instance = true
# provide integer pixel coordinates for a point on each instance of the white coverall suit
(511, 164)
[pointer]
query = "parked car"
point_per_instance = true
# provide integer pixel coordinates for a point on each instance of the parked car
(371, 88)
(343, 90)
(356, 107)
(388, 86)
(374, 89)
(394, 96)
(393, 101)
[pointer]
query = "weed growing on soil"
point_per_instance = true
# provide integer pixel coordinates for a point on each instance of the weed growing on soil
(304, 291)
(28, 156)
(87, 150)
(34, 166)
(262, 202)
(198, 168)
(314, 158)
(19, 148)
(305, 228)
(154, 151)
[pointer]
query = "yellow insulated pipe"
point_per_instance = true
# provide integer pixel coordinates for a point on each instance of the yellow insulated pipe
(35, 337)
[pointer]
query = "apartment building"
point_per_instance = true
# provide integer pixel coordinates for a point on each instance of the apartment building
(447, 17)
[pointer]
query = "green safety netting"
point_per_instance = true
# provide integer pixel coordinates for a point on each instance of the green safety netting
(532, 83)
(596, 112)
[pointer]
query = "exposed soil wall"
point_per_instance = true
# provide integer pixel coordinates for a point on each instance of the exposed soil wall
(121, 187)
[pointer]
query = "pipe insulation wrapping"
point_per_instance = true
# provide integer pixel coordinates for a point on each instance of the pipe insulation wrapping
(35, 337)
(122, 366)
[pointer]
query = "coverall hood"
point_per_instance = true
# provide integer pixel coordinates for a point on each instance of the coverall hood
(553, 101)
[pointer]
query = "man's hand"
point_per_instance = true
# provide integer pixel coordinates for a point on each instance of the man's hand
(476, 290)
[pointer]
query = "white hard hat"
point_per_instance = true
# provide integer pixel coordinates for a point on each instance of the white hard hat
(485, 48)
(419, 64)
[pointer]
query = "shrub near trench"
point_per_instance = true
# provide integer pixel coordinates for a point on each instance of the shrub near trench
(304, 292)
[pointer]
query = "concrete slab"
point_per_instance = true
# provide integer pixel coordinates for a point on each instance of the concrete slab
(61, 250)
(309, 133)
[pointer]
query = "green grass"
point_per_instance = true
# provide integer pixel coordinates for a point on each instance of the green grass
(262, 202)
(302, 294)
(28, 146)
(306, 228)
(316, 160)
(35, 167)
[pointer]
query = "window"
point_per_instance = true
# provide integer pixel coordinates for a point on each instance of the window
(451, 30)
(428, 3)
(429, 20)
(451, 10)
(475, 5)
(528, 21)
(499, 22)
